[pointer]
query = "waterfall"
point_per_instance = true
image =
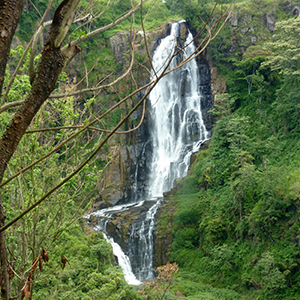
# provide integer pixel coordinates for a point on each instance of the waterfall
(178, 125)
(177, 130)
(104, 216)
(141, 244)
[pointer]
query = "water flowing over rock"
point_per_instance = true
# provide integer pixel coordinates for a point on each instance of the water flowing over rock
(123, 261)
(177, 123)
(160, 152)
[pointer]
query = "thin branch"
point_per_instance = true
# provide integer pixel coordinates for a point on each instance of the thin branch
(23, 56)
(83, 78)
(146, 42)
(91, 128)
(83, 164)
(63, 127)
(78, 132)
(36, 8)
(107, 27)
(97, 88)
(89, 18)
(74, 135)
(10, 105)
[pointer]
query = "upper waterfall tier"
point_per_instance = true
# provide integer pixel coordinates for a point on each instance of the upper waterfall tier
(178, 126)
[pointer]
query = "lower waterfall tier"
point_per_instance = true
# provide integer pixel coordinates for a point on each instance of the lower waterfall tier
(131, 226)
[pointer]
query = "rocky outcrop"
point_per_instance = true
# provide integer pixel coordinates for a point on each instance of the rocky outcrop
(163, 234)
(270, 20)
(253, 22)
(206, 91)
(292, 8)
(129, 226)
(120, 225)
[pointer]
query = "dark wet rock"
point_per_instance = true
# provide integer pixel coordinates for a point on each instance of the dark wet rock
(270, 20)
(93, 220)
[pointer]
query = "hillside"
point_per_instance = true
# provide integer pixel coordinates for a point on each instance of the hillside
(236, 224)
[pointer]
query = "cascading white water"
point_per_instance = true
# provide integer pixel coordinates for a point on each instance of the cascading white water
(123, 261)
(177, 131)
(103, 216)
(178, 124)
(142, 235)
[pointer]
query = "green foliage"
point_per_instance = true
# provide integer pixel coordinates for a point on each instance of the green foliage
(285, 47)
(90, 273)
(192, 286)
(185, 237)
(193, 11)
(45, 225)
(31, 17)
(269, 276)
(215, 230)
(241, 229)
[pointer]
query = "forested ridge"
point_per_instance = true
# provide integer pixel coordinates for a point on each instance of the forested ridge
(235, 226)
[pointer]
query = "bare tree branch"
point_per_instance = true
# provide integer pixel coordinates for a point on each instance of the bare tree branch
(82, 165)
(97, 88)
(23, 56)
(109, 26)
(10, 105)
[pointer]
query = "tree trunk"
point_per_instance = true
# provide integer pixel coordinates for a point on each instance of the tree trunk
(10, 15)
(52, 63)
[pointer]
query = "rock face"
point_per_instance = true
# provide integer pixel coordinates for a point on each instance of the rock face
(164, 237)
(206, 91)
(292, 9)
(270, 20)
(119, 225)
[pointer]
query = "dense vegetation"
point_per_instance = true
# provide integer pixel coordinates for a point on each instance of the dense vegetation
(90, 272)
(237, 221)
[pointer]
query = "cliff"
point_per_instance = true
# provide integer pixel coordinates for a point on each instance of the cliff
(124, 179)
